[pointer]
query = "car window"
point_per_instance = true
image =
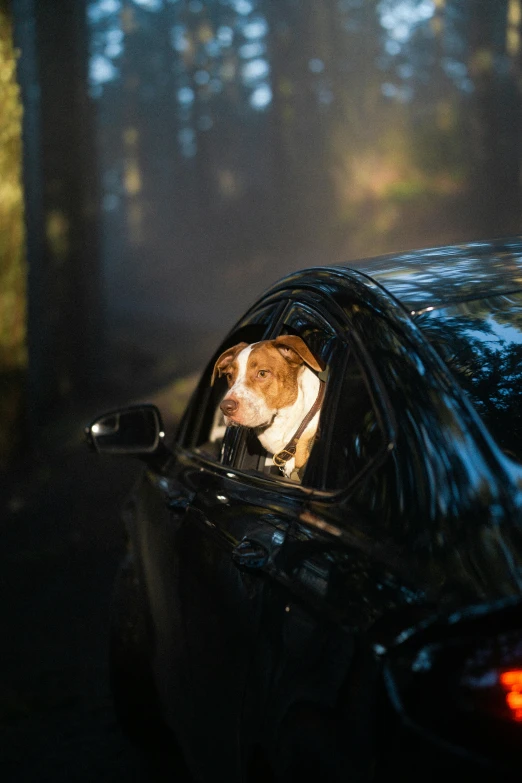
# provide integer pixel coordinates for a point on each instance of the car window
(480, 342)
(204, 429)
(320, 337)
(349, 434)
(355, 436)
(241, 448)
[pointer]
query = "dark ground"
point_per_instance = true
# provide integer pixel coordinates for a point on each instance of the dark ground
(62, 540)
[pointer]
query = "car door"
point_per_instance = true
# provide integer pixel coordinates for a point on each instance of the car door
(265, 634)
(206, 605)
(336, 575)
(228, 539)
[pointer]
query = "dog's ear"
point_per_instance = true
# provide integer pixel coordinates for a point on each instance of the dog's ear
(225, 359)
(295, 350)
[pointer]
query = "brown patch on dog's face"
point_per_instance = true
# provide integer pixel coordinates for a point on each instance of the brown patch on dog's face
(223, 364)
(295, 350)
(272, 374)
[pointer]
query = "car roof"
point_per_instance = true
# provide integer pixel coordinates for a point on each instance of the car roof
(448, 274)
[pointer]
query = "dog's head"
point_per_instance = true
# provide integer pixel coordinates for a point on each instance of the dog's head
(262, 378)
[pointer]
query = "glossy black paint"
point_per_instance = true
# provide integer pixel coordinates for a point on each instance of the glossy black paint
(277, 609)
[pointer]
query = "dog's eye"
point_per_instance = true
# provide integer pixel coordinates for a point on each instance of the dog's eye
(263, 373)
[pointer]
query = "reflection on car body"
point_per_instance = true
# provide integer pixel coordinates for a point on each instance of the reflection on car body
(367, 619)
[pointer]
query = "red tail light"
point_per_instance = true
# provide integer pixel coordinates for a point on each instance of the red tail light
(511, 681)
(460, 683)
(491, 679)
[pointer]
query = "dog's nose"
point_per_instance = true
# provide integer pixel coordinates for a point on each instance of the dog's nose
(229, 406)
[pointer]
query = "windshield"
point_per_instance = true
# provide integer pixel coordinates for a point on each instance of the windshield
(481, 343)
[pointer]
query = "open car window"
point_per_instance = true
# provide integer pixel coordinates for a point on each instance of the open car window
(355, 436)
(320, 337)
(239, 447)
(349, 435)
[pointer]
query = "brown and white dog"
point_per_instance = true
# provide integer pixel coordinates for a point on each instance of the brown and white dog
(272, 387)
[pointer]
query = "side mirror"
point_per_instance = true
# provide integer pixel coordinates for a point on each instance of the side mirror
(135, 431)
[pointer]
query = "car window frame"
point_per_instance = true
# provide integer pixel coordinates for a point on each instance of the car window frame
(354, 346)
(350, 344)
(325, 309)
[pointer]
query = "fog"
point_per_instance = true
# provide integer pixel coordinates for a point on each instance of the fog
(180, 156)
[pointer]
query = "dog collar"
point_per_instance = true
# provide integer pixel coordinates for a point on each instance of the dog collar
(282, 457)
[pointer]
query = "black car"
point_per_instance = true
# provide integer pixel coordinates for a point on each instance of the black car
(365, 620)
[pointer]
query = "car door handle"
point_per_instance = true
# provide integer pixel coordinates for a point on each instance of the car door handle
(175, 496)
(250, 554)
(179, 501)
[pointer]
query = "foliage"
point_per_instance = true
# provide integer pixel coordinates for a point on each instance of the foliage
(13, 353)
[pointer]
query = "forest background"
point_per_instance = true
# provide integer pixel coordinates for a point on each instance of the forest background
(163, 161)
